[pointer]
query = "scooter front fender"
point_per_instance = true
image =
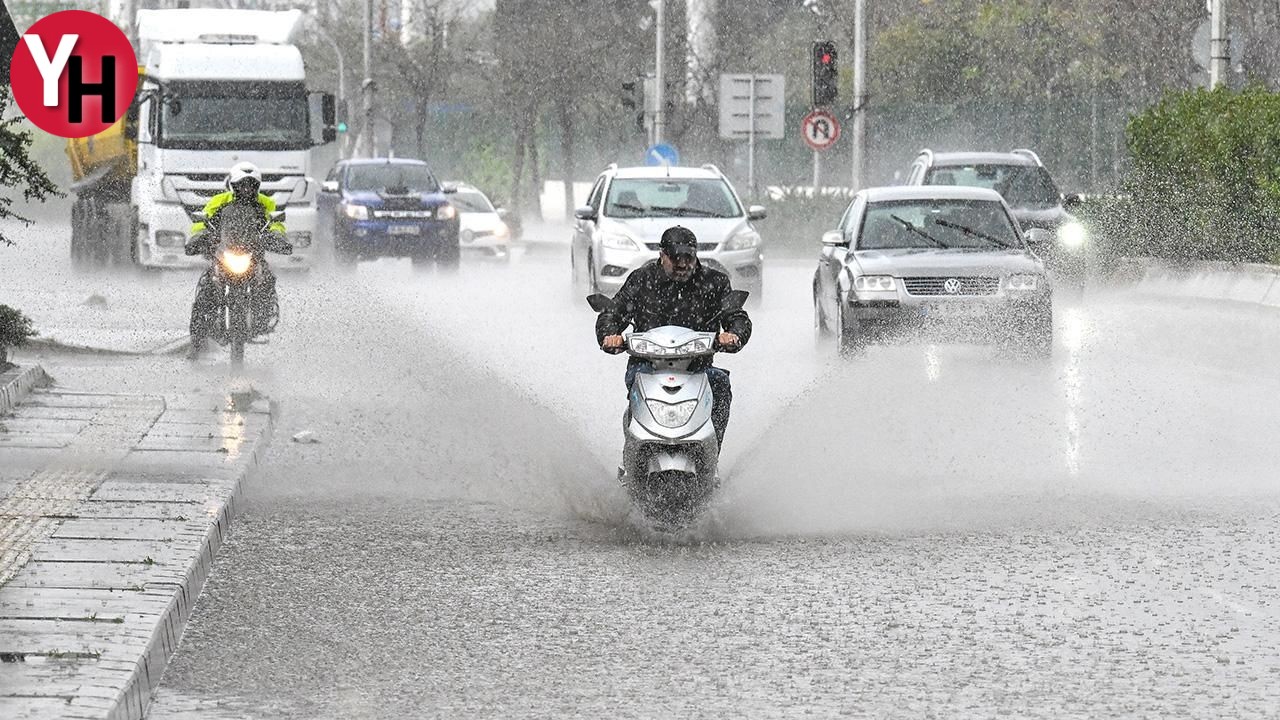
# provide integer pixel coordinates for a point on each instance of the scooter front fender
(666, 461)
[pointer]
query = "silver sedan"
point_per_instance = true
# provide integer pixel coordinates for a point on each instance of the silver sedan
(946, 260)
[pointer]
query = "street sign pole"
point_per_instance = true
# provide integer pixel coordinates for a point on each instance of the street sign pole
(817, 169)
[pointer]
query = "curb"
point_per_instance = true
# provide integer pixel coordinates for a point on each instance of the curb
(172, 347)
(1247, 283)
(17, 388)
(134, 700)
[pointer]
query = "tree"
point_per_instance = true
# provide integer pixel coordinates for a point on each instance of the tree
(18, 170)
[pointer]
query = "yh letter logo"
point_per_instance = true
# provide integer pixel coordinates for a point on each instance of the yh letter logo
(74, 74)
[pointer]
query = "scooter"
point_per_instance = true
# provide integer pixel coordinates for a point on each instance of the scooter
(670, 454)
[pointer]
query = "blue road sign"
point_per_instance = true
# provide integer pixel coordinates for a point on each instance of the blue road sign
(661, 154)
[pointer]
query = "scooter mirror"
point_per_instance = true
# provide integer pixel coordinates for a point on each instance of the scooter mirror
(734, 300)
(600, 303)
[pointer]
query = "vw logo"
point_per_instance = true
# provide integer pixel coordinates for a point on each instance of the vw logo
(952, 286)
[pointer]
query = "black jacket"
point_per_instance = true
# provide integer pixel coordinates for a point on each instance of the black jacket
(650, 298)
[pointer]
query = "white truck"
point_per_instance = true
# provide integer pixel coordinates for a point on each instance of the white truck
(217, 87)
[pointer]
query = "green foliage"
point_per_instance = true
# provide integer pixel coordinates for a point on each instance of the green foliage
(18, 170)
(489, 169)
(15, 328)
(1206, 177)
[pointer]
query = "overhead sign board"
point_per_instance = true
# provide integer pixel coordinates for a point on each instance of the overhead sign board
(752, 105)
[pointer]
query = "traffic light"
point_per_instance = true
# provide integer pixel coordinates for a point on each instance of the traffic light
(826, 79)
(342, 115)
(630, 96)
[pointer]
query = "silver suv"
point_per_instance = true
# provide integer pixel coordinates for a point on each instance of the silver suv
(619, 228)
(1028, 188)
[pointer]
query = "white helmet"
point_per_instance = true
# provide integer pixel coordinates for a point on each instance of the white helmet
(243, 171)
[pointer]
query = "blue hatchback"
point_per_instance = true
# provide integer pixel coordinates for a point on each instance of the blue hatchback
(388, 207)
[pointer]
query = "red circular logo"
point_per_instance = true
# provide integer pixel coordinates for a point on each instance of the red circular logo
(74, 73)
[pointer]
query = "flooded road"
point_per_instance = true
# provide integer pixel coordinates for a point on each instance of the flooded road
(925, 531)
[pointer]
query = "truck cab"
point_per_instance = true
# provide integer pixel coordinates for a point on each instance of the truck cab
(231, 89)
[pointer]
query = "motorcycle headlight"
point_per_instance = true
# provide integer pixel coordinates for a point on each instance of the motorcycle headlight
(1072, 235)
(644, 347)
(236, 263)
(1022, 282)
(447, 212)
(618, 242)
(875, 283)
(356, 212)
(672, 415)
(743, 240)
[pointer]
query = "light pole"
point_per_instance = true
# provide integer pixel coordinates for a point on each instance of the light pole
(659, 77)
(1219, 50)
(859, 92)
(367, 87)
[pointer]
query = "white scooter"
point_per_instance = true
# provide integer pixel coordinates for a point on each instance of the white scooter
(670, 453)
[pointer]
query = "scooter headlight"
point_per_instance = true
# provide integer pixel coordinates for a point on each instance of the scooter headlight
(672, 415)
(236, 263)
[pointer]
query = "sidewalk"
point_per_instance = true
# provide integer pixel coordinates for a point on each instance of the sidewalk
(112, 508)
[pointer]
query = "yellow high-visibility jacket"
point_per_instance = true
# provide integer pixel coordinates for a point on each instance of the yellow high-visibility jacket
(224, 198)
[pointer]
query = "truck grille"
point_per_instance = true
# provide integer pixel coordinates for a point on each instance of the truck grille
(951, 286)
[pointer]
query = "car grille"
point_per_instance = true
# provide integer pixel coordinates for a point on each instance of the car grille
(402, 213)
(702, 246)
(951, 286)
(410, 202)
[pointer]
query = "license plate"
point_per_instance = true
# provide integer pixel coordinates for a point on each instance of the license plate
(403, 230)
(952, 310)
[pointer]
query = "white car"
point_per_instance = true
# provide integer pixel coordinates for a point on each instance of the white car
(481, 225)
(628, 209)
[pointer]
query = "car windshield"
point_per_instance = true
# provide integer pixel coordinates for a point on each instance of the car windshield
(1023, 186)
(937, 224)
(471, 201)
(235, 115)
(391, 178)
(671, 197)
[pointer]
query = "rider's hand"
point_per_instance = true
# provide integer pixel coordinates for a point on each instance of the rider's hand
(613, 344)
(728, 341)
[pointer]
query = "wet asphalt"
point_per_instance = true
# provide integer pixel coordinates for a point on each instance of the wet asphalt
(928, 531)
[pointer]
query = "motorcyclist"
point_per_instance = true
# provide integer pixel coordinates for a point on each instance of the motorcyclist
(678, 290)
(243, 184)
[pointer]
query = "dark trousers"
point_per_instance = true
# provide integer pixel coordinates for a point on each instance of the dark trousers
(205, 321)
(721, 394)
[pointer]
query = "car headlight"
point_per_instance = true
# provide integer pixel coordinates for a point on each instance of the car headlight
(744, 240)
(236, 263)
(356, 212)
(672, 415)
(1022, 282)
(875, 283)
(1072, 235)
(447, 212)
(502, 232)
(618, 242)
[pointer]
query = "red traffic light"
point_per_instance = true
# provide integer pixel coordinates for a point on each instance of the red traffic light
(826, 58)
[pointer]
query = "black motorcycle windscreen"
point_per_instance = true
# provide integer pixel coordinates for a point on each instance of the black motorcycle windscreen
(240, 224)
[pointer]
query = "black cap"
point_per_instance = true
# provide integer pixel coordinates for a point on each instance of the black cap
(679, 240)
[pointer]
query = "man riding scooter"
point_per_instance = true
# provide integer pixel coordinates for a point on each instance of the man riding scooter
(678, 290)
(243, 185)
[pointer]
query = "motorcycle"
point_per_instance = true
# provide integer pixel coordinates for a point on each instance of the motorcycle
(670, 455)
(235, 241)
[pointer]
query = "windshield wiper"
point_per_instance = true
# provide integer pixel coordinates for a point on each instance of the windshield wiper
(627, 206)
(683, 211)
(970, 231)
(907, 224)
